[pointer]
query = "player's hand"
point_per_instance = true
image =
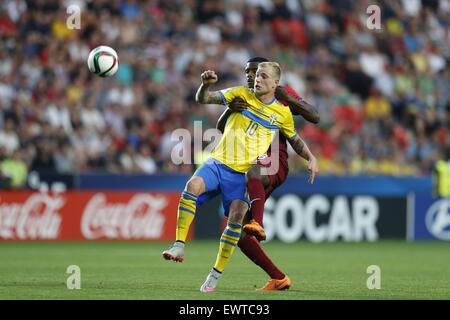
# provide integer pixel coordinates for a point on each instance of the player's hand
(238, 105)
(313, 169)
(282, 94)
(209, 77)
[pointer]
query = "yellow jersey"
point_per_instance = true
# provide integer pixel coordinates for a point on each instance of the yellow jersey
(249, 134)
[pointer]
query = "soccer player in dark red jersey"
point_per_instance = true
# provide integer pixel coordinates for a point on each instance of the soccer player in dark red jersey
(261, 183)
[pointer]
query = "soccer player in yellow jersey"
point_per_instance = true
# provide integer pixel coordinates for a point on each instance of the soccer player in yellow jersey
(247, 135)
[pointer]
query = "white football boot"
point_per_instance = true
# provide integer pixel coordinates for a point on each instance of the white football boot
(211, 281)
(175, 252)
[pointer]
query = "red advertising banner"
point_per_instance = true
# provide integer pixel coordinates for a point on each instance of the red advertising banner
(88, 216)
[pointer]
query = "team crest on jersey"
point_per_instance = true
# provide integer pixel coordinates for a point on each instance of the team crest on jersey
(273, 118)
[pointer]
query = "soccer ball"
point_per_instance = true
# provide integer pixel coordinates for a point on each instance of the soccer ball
(103, 61)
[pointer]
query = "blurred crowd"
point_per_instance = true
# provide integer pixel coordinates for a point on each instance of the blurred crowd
(383, 94)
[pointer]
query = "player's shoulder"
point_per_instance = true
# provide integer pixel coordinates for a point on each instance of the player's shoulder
(235, 89)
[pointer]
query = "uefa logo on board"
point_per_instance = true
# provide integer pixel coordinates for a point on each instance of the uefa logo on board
(437, 219)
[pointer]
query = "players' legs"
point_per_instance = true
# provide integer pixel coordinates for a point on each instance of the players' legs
(204, 182)
(236, 203)
(251, 247)
(194, 194)
(258, 184)
(187, 206)
(231, 234)
(259, 173)
(253, 250)
(228, 242)
(257, 181)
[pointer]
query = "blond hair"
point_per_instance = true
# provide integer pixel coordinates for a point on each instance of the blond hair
(274, 66)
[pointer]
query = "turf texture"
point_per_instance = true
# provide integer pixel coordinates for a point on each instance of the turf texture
(136, 270)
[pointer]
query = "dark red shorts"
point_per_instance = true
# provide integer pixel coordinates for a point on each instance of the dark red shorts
(277, 173)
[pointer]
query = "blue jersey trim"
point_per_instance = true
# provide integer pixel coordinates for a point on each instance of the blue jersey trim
(224, 101)
(259, 120)
(271, 101)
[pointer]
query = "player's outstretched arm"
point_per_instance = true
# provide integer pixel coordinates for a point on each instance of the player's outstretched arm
(203, 95)
(303, 151)
(297, 105)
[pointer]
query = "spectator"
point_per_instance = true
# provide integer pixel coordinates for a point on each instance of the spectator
(8, 138)
(15, 170)
(377, 107)
(370, 87)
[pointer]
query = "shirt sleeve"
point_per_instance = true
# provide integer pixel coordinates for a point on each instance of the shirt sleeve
(230, 94)
(296, 96)
(287, 128)
(293, 93)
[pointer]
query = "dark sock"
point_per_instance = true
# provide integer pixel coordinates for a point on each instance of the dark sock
(253, 250)
(256, 191)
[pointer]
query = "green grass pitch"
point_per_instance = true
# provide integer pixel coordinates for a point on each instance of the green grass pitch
(136, 270)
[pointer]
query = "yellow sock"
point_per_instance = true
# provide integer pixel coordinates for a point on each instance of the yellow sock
(186, 214)
(228, 242)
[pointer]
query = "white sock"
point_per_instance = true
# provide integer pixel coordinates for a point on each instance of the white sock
(212, 279)
(215, 274)
(179, 244)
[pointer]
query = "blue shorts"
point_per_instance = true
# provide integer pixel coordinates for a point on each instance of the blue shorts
(220, 179)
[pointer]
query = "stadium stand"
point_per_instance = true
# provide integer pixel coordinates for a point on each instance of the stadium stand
(382, 95)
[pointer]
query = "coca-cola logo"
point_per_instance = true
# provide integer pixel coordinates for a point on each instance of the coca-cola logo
(37, 217)
(139, 218)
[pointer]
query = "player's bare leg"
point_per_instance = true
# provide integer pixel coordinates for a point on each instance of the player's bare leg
(257, 181)
(186, 213)
(228, 242)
